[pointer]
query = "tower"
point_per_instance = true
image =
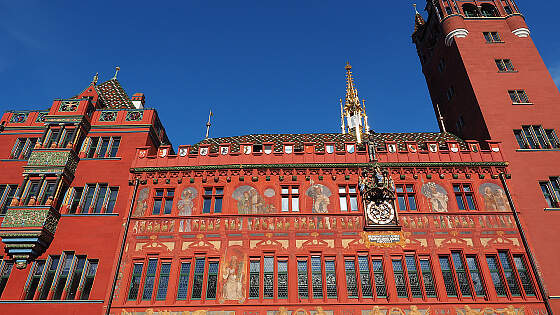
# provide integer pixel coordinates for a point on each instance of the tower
(352, 110)
(486, 76)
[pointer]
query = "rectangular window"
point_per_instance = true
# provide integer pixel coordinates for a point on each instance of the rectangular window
(303, 286)
(49, 190)
(478, 285)
(163, 201)
(330, 278)
(22, 148)
(198, 278)
(351, 282)
(7, 193)
(448, 278)
(254, 278)
(348, 197)
(184, 274)
(68, 137)
(427, 277)
(496, 275)
(76, 277)
(518, 96)
(282, 267)
(150, 279)
(88, 279)
(36, 274)
(163, 281)
(400, 281)
(509, 274)
(53, 137)
(406, 197)
(535, 137)
(33, 188)
(98, 198)
(464, 196)
(379, 278)
(524, 276)
(90, 193)
(268, 277)
(504, 65)
(365, 276)
(212, 282)
(461, 274)
(103, 147)
(413, 278)
(49, 277)
(5, 271)
(551, 192)
(290, 198)
(492, 37)
(135, 281)
(63, 275)
(213, 197)
(316, 277)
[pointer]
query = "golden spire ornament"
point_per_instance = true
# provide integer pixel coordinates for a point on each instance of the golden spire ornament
(353, 109)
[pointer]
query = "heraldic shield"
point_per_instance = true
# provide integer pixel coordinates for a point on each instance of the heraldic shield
(377, 190)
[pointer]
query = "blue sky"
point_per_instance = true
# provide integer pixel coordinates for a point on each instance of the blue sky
(262, 66)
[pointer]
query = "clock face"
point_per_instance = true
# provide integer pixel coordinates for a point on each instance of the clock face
(380, 213)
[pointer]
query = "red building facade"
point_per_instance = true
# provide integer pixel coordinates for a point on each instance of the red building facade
(101, 215)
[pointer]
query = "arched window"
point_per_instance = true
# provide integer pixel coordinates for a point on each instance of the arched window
(470, 10)
(488, 10)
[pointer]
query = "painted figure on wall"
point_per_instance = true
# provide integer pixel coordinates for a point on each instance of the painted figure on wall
(249, 201)
(437, 196)
(141, 203)
(233, 276)
(320, 194)
(495, 198)
(186, 205)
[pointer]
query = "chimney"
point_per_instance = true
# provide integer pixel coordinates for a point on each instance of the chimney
(138, 100)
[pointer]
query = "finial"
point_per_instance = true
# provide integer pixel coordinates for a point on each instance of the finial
(348, 66)
(117, 68)
(208, 124)
(95, 78)
(415, 10)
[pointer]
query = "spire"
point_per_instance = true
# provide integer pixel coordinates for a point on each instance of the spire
(418, 19)
(353, 111)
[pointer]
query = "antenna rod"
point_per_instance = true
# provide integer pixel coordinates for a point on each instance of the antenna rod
(208, 124)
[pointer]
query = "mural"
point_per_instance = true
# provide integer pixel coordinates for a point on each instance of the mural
(320, 195)
(494, 197)
(141, 203)
(437, 196)
(232, 276)
(153, 226)
(186, 205)
(250, 202)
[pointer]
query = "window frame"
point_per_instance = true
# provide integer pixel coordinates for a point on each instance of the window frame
(490, 37)
(76, 201)
(551, 191)
(518, 97)
(535, 137)
(505, 65)
(22, 148)
(346, 197)
(407, 195)
(167, 195)
(94, 145)
(291, 197)
(464, 195)
(212, 197)
(7, 194)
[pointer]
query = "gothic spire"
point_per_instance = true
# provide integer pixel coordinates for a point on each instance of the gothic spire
(352, 102)
(418, 19)
(353, 110)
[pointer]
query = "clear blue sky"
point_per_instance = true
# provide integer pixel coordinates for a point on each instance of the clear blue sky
(262, 66)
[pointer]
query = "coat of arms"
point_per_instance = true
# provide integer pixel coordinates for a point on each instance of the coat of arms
(378, 194)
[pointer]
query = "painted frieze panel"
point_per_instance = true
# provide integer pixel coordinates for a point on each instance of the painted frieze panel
(494, 197)
(436, 195)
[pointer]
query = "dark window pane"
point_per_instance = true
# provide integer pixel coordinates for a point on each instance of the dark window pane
(365, 278)
(103, 147)
(351, 283)
(206, 205)
(413, 279)
(168, 206)
(212, 280)
(115, 146)
(330, 279)
(157, 207)
(400, 282)
(303, 289)
(183, 286)
(282, 279)
(495, 275)
(429, 286)
(150, 279)
(163, 281)
(218, 205)
(460, 203)
(198, 278)
(100, 198)
(379, 278)
(447, 276)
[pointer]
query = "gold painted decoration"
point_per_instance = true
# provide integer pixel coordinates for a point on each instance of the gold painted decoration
(385, 239)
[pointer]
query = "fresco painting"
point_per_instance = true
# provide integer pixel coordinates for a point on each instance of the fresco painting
(437, 196)
(142, 202)
(495, 198)
(320, 195)
(186, 205)
(249, 201)
(232, 275)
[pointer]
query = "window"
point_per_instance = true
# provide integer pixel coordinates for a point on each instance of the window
(441, 65)
(488, 10)
(536, 137)
(52, 138)
(22, 148)
(103, 147)
(551, 192)
(518, 96)
(68, 137)
(213, 197)
(464, 196)
(268, 277)
(212, 282)
(5, 271)
(150, 279)
(448, 279)
(413, 278)
(135, 281)
(365, 288)
(450, 93)
(183, 287)
(470, 10)
(507, 7)
(472, 265)
(400, 281)
(348, 198)
(61, 275)
(463, 274)
(505, 65)
(510, 268)
(254, 278)
(379, 278)
(303, 286)
(406, 197)
(163, 201)
(316, 277)
(492, 37)
(290, 198)
(198, 278)
(93, 198)
(460, 124)
(33, 187)
(163, 280)
(426, 270)
(7, 193)
(330, 271)
(351, 281)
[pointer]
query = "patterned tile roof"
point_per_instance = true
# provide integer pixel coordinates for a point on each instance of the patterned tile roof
(113, 95)
(319, 139)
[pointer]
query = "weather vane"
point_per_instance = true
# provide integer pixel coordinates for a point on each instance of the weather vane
(208, 124)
